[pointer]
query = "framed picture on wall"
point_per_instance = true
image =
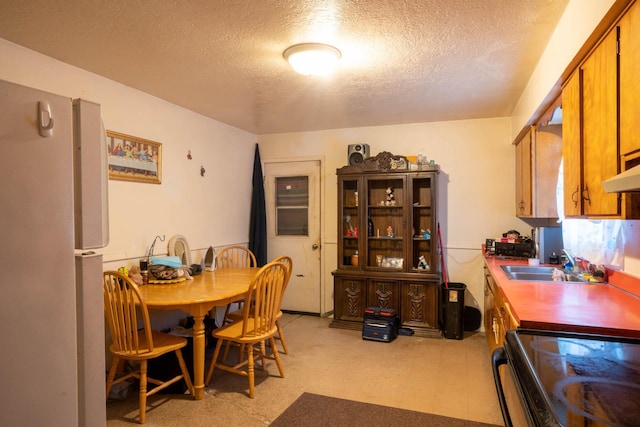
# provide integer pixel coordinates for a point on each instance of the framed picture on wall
(134, 159)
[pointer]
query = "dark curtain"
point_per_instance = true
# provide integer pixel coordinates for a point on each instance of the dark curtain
(258, 224)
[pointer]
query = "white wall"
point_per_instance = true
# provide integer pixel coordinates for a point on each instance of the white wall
(209, 210)
(476, 185)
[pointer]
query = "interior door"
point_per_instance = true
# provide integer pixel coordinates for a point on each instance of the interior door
(292, 195)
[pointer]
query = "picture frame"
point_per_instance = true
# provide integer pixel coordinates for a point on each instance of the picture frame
(134, 159)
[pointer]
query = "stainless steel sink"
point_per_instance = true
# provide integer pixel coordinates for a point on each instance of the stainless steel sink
(534, 277)
(538, 274)
(530, 269)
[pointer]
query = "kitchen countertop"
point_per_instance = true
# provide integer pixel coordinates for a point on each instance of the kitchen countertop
(601, 308)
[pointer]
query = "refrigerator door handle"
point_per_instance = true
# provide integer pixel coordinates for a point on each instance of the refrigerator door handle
(44, 116)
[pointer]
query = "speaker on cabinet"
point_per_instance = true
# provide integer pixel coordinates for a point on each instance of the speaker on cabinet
(357, 153)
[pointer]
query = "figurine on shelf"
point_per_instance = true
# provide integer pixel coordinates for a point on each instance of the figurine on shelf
(391, 199)
(426, 234)
(389, 231)
(422, 263)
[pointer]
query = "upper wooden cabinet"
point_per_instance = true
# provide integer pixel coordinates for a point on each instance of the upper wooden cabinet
(596, 146)
(600, 127)
(547, 154)
(523, 175)
(538, 155)
(572, 144)
(629, 28)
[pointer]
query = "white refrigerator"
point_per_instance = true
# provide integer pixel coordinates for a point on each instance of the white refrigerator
(53, 212)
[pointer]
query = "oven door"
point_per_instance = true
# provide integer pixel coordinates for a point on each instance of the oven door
(552, 378)
(515, 410)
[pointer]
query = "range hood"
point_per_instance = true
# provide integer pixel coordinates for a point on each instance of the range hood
(626, 181)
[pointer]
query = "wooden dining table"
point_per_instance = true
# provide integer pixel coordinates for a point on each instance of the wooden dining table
(196, 297)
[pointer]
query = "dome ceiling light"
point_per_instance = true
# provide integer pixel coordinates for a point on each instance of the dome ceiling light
(312, 59)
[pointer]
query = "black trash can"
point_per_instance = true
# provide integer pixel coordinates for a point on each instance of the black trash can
(452, 310)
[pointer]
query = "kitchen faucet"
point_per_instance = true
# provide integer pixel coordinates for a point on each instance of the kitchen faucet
(570, 258)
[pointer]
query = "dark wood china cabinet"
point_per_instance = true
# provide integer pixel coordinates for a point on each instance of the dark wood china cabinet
(387, 243)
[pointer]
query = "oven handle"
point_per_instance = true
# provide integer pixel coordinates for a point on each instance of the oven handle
(499, 358)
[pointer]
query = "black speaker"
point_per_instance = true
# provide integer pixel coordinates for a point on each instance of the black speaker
(357, 153)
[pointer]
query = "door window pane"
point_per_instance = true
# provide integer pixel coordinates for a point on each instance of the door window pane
(292, 206)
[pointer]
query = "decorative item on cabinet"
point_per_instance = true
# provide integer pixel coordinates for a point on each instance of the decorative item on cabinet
(395, 268)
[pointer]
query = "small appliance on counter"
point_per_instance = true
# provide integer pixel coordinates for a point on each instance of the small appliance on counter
(543, 244)
(512, 244)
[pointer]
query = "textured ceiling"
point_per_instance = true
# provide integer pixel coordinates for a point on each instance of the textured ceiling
(403, 61)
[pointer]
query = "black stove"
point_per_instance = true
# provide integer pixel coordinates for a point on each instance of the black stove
(568, 379)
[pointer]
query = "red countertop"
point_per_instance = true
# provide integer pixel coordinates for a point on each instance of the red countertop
(599, 308)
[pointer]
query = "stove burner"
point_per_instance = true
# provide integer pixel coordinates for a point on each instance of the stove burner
(594, 398)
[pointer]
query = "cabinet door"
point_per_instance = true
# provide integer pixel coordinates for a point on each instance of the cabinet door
(492, 322)
(349, 222)
(572, 144)
(419, 304)
(382, 293)
(523, 176)
(385, 239)
(547, 153)
(630, 80)
(600, 127)
(349, 298)
(423, 251)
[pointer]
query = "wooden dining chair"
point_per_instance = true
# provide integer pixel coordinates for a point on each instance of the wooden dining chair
(133, 339)
(235, 257)
(257, 326)
(237, 314)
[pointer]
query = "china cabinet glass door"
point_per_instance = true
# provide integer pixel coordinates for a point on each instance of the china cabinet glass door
(423, 226)
(385, 244)
(349, 223)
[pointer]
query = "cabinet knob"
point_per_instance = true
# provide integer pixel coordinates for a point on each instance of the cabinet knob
(315, 246)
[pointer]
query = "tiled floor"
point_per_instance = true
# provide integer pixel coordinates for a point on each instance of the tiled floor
(439, 376)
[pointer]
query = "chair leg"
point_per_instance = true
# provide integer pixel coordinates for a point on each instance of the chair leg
(251, 370)
(226, 314)
(143, 390)
(226, 351)
(112, 374)
(263, 353)
(214, 359)
(276, 356)
(185, 372)
(281, 335)
(241, 348)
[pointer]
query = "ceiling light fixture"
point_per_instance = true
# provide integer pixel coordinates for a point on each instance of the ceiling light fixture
(312, 59)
